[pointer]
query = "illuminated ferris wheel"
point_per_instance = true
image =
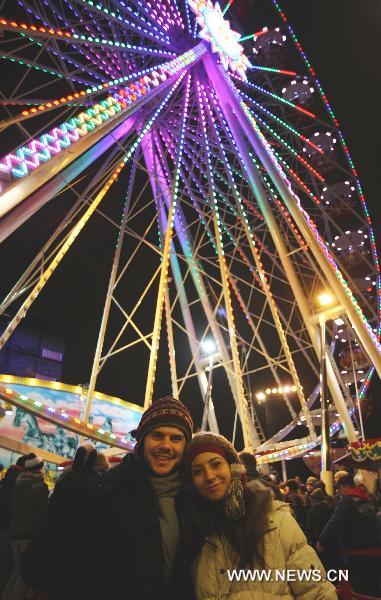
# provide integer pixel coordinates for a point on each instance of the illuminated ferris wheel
(241, 203)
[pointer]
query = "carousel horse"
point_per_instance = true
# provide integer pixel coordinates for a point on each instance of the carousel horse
(32, 433)
(64, 444)
(58, 442)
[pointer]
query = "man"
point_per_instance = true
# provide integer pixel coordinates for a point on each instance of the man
(338, 474)
(296, 499)
(250, 462)
(126, 534)
(29, 503)
(7, 485)
(309, 489)
(354, 523)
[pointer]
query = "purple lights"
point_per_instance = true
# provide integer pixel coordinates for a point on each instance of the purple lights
(240, 199)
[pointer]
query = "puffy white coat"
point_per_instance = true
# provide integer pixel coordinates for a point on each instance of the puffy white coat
(285, 549)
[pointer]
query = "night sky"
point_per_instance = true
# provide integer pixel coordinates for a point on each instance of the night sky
(342, 40)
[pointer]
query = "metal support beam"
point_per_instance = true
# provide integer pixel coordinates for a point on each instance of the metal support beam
(231, 107)
(242, 407)
(48, 271)
(160, 187)
(107, 306)
(165, 259)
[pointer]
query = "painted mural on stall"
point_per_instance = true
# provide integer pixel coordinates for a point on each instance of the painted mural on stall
(112, 414)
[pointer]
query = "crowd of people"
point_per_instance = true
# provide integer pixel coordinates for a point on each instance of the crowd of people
(185, 517)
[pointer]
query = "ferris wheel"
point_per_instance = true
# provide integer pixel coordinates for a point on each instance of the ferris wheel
(239, 201)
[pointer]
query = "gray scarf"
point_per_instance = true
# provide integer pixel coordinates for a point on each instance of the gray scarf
(166, 489)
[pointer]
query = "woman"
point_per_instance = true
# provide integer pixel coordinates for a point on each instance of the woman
(242, 527)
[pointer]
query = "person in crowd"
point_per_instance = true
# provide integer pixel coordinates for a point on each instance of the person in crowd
(309, 488)
(28, 507)
(318, 516)
(296, 499)
(241, 526)
(320, 485)
(338, 474)
(274, 477)
(250, 462)
(125, 534)
(7, 486)
(102, 464)
(302, 487)
(354, 523)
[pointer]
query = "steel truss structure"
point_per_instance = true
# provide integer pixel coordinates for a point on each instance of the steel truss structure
(240, 201)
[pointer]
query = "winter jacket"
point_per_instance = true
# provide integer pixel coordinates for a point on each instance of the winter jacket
(317, 517)
(102, 541)
(7, 486)
(354, 522)
(299, 507)
(28, 505)
(285, 548)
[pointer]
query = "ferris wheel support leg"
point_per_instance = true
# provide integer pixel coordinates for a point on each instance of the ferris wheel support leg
(230, 103)
(160, 187)
(171, 345)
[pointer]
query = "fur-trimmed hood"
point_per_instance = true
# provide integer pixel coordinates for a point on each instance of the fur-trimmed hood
(263, 495)
(285, 547)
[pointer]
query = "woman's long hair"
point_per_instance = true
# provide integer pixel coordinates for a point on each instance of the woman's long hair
(245, 535)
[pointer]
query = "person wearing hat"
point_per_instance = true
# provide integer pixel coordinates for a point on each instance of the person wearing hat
(317, 517)
(242, 527)
(250, 463)
(310, 481)
(125, 534)
(7, 485)
(29, 504)
(355, 525)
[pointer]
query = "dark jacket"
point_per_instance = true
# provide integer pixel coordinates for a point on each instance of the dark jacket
(354, 522)
(103, 541)
(7, 486)
(298, 507)
(28, 505)
(317, 517)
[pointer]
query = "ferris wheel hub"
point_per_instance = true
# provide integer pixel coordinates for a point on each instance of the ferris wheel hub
(223, 40)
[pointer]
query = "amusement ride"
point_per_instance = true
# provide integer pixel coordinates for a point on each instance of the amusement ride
(243, 235)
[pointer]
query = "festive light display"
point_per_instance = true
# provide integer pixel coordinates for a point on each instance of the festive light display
(216, 30)
(31, 156)
(134, 64)
(366, 449)
(341, 138)
(60, 417)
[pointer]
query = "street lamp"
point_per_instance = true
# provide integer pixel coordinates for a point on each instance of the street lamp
(209, 349)
(325, 300)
